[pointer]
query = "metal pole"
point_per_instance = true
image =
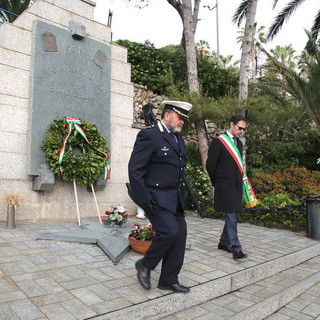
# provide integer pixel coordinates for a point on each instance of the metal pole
(217, 18)
(217, 27)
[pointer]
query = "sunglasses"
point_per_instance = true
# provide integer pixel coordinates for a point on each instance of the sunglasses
(240, 128)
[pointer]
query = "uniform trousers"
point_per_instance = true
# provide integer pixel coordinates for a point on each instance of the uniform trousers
(168, 245)
(229, 236)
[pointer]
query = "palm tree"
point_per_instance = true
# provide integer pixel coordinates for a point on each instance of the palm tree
(247, 10)
(203, 48)
(303, 86)
(14, 6)
(278, 56)
(285, 14)
(282, 17)
(258, 38)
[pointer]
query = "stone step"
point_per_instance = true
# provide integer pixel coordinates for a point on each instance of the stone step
(261, 300)
(222, 289)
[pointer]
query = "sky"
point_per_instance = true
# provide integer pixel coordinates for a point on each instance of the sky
(160, 23)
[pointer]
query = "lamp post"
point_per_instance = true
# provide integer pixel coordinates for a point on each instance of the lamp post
(217, 27)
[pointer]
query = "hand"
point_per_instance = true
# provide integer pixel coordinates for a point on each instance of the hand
(148, 207)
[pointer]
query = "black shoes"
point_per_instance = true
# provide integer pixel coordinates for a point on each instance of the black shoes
(239, 255)
(143, 275)
(144, 280)
(176, 287)
(225, 248)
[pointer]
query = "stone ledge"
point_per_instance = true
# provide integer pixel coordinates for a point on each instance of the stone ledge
(172, 303)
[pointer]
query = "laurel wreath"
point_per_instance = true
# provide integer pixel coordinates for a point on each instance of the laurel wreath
(82, 162)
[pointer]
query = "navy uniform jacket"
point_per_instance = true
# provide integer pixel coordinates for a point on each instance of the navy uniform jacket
(156, 168)
(225, 177)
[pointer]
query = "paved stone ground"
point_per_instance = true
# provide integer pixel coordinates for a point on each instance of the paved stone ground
(45, 279)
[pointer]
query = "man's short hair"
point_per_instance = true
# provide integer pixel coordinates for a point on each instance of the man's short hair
(237, 117)
(164, 111)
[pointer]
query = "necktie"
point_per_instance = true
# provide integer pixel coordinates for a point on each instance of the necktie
(174, 137)
(235, 140)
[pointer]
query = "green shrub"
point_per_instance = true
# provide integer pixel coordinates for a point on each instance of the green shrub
(197, 177)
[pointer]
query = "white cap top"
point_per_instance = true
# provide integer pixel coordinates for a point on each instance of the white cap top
(180, 107)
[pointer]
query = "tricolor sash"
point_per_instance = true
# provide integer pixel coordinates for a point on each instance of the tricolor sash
(248, 193)
(73, 123)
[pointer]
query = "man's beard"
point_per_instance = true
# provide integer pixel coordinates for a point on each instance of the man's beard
(176, 129)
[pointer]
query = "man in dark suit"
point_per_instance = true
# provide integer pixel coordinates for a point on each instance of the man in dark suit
(156, 170)
(227, 180)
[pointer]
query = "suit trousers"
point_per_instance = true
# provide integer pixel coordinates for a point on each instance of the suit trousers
(168, 245)
(229, 236)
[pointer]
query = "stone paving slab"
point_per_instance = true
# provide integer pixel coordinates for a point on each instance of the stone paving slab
(53, 278)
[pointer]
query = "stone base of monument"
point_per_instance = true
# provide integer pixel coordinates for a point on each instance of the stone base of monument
(44, 181)
(114, 242)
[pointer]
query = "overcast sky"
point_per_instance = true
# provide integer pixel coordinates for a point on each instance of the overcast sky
(161, 24)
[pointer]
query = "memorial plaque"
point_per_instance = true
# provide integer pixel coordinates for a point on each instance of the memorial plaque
(70, 78)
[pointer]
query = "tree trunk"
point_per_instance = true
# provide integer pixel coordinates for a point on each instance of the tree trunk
(245, 58)
(246, 49)
(190, 19)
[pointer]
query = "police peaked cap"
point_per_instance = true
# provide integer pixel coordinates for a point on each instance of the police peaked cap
(180, 107)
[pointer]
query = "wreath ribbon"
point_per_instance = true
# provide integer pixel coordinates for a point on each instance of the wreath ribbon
(73, 123)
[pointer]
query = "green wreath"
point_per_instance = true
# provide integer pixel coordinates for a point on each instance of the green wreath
(76, 151)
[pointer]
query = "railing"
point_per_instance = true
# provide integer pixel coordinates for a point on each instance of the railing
(286, 210)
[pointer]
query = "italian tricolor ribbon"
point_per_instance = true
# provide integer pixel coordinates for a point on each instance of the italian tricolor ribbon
(248, 193)
(73, 123)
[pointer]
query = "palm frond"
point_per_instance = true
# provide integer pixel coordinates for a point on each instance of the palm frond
(241, 13)
(283, 16)
(315, 29)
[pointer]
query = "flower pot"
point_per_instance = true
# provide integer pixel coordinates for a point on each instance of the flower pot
(139, 245)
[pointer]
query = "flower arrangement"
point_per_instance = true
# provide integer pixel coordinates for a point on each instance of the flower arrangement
(143, 233)
(116, 215)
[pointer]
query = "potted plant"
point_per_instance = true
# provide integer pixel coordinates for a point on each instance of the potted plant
(141, 237)
(13, 200)
(116, 216)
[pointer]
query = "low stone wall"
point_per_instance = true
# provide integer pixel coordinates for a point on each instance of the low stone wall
(143, 96)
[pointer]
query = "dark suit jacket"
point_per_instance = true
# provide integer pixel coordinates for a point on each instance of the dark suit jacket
(225, 177)
(156, 168)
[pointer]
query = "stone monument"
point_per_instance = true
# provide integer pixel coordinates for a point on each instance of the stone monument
(56, 62)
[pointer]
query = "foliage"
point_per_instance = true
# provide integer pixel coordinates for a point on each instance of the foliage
(282, 195)
(82, 162)
(116, 215)
(147, 65)
(278, 135)
(161, 68)
(176, 59)
(14, 6)
(298, 87)
(143, 233)
(296, 182)
(283, 212)
(217, 81)
(283, 16)
(197, 177)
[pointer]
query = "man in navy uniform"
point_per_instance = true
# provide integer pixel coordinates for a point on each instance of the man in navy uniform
(156, 170)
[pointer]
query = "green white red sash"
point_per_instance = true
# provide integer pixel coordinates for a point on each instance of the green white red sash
(248, 193)
(73, 123)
